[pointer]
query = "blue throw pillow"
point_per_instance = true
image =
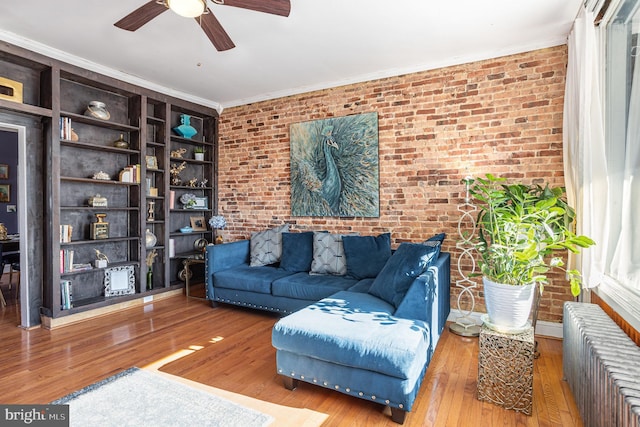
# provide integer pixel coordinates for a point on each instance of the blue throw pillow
(408, 262)
(297, 251)
(437, 238)
(366, 255)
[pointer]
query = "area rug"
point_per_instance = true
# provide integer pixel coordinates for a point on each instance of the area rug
(138, 397)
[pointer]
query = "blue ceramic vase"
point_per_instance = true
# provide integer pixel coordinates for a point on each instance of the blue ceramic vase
(185, 129)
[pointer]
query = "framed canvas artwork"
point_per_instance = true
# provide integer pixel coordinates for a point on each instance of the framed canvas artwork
(334, 167)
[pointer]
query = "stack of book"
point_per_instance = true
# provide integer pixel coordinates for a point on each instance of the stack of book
(65, 233)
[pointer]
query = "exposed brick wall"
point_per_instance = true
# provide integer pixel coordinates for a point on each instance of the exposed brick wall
(500, 116)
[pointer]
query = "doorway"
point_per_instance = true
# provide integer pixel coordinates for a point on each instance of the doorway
(13, 159)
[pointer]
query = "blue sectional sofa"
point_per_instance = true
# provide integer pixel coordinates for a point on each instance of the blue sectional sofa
(369, 337)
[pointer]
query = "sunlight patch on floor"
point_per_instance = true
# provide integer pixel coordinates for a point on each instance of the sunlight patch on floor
(180, 354)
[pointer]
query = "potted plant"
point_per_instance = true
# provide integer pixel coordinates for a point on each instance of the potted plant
(523, 232)
(198, 153)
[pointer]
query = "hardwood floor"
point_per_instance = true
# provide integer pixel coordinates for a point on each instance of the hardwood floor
(230, 348)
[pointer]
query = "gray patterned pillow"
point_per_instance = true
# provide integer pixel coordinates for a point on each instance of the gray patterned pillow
(328, 254)
(266, 246)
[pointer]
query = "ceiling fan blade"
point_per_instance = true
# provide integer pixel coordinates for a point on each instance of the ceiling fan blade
(141, 16)
(212, 28)
(274, 7)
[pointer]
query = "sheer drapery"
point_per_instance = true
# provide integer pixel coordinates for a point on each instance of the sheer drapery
(601, 162)
(585, 168)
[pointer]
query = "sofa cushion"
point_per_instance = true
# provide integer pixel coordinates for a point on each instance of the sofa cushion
(363, 285)
(310, 287)
(328, 254)
(246, 278)
(408, 262)
(357, 330)
(297, 251)
(266, 246)
(366, 255)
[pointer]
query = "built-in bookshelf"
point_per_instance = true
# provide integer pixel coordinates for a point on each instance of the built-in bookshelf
(109, 185)
(194, 181)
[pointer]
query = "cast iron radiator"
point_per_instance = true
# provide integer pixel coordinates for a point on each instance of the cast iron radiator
(602, 366)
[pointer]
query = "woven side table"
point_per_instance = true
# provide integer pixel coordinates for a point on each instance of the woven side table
(505, 371)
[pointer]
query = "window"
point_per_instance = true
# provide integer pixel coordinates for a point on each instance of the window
(621, 58)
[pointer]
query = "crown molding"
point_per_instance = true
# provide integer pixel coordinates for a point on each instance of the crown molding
(107, 71)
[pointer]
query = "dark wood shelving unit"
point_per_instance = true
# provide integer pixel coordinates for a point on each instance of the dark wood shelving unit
(56, 91)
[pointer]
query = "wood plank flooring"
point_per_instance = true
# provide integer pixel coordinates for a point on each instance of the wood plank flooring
(230, 348)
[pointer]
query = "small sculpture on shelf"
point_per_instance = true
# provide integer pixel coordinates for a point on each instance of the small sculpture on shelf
(151, 210)
(177, 154)
(101, 260)
(203, 183)
(200, 244)
(98, 201)
(100, 228)
(103, 176)
(149, 261)
(193, 182)
(175, 172)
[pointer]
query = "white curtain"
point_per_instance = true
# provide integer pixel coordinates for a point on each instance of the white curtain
(625, 266)
(585, 167)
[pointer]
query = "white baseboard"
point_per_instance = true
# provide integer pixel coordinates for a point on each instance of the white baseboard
(543, 328)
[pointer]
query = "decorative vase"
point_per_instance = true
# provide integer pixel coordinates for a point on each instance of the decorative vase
(120, 142)
(150, 278)
(97, 110)
(508, 306)
(185, 129)
(150, 239)
(3, 232)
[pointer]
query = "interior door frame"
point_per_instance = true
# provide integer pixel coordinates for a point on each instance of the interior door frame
(21, 133)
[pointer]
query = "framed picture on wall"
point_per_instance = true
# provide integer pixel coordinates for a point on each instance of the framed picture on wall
(5, 193)
(4, 171)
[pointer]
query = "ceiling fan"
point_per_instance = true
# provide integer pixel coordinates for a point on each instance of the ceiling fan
(204, 17)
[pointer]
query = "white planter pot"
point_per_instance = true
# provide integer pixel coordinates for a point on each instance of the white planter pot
(508, 306)
(199, 156)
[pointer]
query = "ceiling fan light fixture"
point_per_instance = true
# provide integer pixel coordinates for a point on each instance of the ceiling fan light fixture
(187, 8)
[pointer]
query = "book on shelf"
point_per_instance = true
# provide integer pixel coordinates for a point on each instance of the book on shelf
(65, 128)
(66, 261)
(65, 233)
(130, 173)
(66, 294)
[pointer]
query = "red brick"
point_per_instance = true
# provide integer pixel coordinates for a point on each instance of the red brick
(501, 116)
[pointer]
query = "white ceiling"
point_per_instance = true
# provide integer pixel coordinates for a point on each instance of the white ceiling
(321, 44)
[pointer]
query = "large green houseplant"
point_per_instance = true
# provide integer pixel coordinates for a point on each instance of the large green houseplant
(524, 230)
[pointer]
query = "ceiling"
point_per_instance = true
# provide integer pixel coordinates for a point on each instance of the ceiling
(321, 44)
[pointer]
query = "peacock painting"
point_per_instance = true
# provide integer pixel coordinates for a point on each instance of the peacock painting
(334, 167)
